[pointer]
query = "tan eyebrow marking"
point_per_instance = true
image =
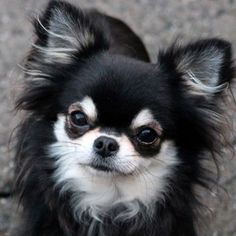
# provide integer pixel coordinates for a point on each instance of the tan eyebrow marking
(144, 117)
(87, 106)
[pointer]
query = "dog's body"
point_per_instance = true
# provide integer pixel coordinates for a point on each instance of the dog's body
(89, 84)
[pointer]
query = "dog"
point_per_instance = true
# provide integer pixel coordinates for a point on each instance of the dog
(112, 144)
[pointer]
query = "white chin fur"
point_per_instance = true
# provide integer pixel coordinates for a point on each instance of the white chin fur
(95, 192)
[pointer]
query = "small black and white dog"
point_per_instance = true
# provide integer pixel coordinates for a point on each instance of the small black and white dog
(113, 144)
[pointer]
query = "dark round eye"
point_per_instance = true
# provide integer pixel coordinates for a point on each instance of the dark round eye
(78, 118)
(147, 136)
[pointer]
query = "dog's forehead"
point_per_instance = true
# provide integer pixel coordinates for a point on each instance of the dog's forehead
(118, 91)
(115, 104)
(111, 112)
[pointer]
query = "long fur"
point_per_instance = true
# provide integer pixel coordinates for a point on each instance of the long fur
(80, 54)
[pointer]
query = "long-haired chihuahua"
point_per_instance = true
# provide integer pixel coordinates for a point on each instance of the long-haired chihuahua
(113, 144)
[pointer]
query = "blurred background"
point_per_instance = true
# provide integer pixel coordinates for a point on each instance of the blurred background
(158, 22)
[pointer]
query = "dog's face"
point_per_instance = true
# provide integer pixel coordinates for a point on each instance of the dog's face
(111, 120)
(120, 125)
(114, 133)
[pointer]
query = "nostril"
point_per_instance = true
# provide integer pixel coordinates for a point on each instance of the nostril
(113, 146)
(99, 145)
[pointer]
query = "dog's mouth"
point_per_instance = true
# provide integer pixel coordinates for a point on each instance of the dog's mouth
(102, 167)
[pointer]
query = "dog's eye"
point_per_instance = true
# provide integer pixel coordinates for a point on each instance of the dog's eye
(78, 118)
(147, 136)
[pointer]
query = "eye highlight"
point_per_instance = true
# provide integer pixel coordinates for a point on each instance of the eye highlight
(78, 119)
(147, 136)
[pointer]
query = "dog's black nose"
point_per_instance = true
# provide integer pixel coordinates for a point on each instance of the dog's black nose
(105, 146)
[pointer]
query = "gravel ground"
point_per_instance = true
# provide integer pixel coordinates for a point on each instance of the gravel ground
(158, 22)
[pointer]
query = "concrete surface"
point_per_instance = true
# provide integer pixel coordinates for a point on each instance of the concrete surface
(158, 22)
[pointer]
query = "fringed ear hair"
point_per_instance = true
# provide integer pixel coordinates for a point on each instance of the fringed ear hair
(65, 32)
(64, 35)
(205, 66)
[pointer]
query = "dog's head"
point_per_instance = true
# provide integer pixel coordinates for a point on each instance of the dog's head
(123, 129)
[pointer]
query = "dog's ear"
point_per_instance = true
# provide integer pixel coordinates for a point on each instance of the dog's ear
(65, 36)
(205, 66)
(65, 32)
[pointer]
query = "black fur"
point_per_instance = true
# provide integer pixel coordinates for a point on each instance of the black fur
(114, 70)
